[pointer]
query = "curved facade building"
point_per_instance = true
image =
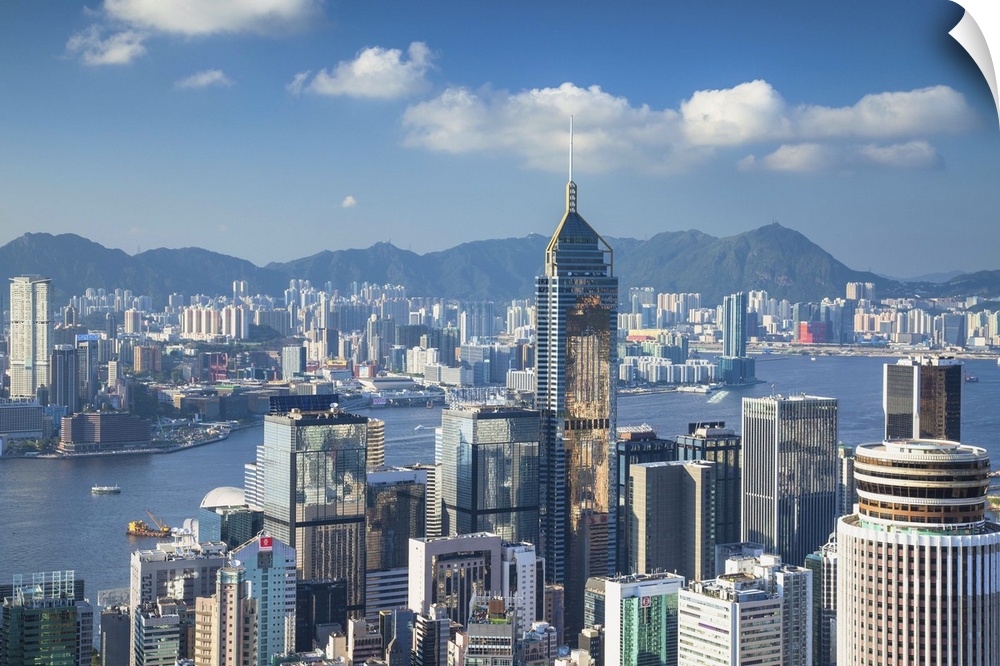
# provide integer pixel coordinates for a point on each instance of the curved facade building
(919, 565)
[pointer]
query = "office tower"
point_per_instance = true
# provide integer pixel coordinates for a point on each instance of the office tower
(489, 472)
(313, 481)
(226, 623)
(88, 363)
(554, 599)
(431, 632)
(576, 372)
(591, 641)
(634, 445)
(395, 512)
(115, 632)
(847, 492)
(448, 571)
(823, 564)
(728, 620)
(640, 619)
(30, 334)
(793, 585)
(735, 367)
(789, 473)
(714, 442)
(46, 621)
(63, 388)
(917, 564)
(922, 398)
(539, 645)
(396, 628)
(224, 515)
(180, 572)
(320, 607)
(671, 508)
(269, 569)
(293, 362)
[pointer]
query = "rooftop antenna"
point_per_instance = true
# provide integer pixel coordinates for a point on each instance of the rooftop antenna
(571, 186)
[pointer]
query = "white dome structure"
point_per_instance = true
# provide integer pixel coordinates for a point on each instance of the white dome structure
(224, 496)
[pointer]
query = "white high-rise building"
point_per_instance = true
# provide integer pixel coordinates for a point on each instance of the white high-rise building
(30, 334)
(269, 568)
(449, 571)
(918, 572)
(728, 620)
(640, 619)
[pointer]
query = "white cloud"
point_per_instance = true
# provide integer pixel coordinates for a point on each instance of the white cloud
(349, 202)
(748, 112)
(610, 134)
(117, 49)
(375, 73)
(614, 133)
(817, 157)
(295, 87)
(208, 17)
(206, 79)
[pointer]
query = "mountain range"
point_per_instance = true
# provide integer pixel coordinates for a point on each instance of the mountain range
(774, 258)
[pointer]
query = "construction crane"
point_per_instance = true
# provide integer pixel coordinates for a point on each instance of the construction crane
(157, 522)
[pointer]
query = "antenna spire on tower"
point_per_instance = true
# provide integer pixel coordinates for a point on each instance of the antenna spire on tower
(571, 186)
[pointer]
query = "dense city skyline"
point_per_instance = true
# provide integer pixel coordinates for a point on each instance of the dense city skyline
(143, 127)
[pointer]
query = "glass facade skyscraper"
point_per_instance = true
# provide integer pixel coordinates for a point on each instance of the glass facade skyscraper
(489, 472)
(714, 442)
(789, 475)
(313, 487)
(922, 398)
(576, 374)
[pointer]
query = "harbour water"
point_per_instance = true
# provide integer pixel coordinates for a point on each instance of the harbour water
(50, 520)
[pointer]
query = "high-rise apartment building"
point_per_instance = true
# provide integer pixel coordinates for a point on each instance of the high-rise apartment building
(714, 442)
(917, 570)
(922, 398)
(576, 304)
(671, 511)
(226, 623)
(311, 472)
(789, 475)
(489, 472)
(293, 362)
(30, 334)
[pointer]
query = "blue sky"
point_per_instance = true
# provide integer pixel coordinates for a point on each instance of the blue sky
(274, 129)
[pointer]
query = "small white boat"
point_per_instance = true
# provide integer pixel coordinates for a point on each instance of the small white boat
(106, 490)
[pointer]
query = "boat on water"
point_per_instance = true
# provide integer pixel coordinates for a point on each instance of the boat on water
(106, 490)
(144, 529)
(694, 388)
(970, 379)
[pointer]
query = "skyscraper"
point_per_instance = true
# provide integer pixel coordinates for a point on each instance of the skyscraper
(46, 621)
(313, 480)
(226, 622)
(576, 374)
(88, 367)
(735, 367)
(671, 511)
(30, 334)
(636, 444)
(269, 568)
(63, 387)
(922, 398)
(789, 473)
(917, 564)
(489, 472)
(714, 442)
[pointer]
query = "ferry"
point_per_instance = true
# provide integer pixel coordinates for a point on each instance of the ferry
(694, 388)
(106, 490)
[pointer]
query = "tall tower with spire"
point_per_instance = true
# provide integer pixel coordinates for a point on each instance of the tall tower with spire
(577, 372)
